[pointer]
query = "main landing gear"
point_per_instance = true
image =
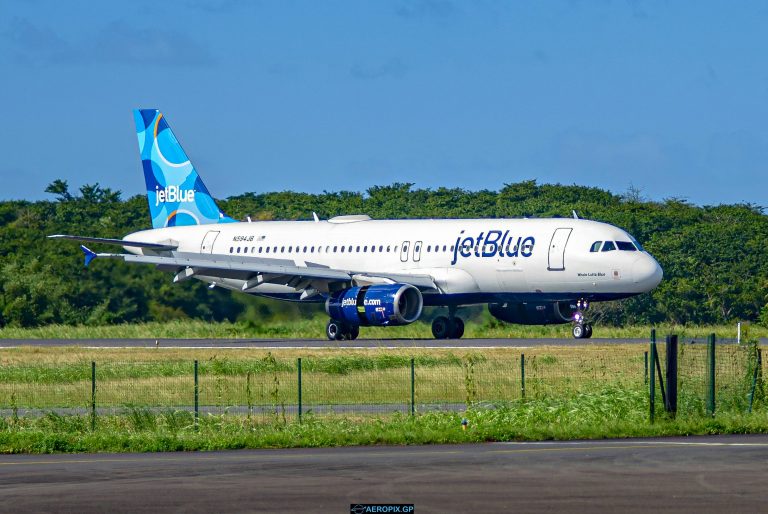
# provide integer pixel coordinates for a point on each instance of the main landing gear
(339, 331)
(581, 329)
(449, 327)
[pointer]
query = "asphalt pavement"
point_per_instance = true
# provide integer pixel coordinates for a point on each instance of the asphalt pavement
(694, 474)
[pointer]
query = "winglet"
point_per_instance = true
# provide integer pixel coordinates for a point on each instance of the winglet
(89, 254)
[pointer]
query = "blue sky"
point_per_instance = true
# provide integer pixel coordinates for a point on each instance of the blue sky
(669, 97)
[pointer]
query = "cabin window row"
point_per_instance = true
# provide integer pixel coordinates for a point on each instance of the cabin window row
(331, 249)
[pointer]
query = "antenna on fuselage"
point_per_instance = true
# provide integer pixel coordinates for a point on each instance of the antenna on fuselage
(575, 216)
(314, 215)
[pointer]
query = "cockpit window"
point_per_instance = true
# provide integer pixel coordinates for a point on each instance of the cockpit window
(596, 246)
(638, 245)
(626, 246)
(609, 246)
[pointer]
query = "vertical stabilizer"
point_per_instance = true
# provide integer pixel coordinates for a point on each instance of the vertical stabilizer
(176, 194)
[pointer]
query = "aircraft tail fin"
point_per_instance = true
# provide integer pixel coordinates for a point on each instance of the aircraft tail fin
(176, 194)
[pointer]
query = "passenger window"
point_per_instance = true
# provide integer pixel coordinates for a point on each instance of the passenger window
(357, 249)
(260, 249)
(290, 248)
(596, 246)
(388, 248)
(365, 248)
(373, 249)
(274, 249)
(609, 246)
(626, 246)
(245, 250)
(267, 249)
(238, 249)
(231, 249)
(342, 249)
(381, 248)
(282, 249)
(312, 250)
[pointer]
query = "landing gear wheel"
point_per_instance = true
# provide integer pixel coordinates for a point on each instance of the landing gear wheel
(334, 331)
(441, 327)
(458, 328)
(352, 332)
(587, 331)
(578, 331)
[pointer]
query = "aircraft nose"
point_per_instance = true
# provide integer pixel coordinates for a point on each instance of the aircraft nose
(647, 272)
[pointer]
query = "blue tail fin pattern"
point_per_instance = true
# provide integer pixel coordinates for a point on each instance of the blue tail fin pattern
(175, 192)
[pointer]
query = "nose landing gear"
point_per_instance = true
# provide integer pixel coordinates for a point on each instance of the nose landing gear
(581, 329)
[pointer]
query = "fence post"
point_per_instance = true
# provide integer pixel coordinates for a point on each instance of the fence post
(299, 385)
(711, 380)
(652, 382)
(197, 404)
(93, 395)
(522, 375)
(671, 403)
(758, 369)
(413, 386)
(645, 375)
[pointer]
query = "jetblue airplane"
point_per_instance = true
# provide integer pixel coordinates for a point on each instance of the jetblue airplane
(379, 272)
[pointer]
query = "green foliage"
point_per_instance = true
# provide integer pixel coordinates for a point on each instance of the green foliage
(715, 266)
(598, 415)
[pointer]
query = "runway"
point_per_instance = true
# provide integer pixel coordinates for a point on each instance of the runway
(694, 474)
(273, 344)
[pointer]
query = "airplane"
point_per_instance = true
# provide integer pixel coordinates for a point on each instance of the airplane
(379, 272)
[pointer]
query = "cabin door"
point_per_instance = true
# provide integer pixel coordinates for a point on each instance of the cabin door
(557, 249)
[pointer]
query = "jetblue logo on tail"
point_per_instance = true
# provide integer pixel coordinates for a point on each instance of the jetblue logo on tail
(176, 194)
(173, 194)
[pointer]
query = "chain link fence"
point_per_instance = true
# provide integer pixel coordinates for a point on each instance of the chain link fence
(274, 388)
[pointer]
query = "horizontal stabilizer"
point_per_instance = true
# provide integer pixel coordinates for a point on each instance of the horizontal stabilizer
(121, 242)
(89, 254)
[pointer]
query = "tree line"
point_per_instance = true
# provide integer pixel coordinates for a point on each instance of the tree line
(714, 258)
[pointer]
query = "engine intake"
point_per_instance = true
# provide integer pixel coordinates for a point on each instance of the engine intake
(377, 305)
(524, 313)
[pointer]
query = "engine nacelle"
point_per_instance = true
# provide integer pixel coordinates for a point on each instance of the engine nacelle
(533, 313)
(376, 305)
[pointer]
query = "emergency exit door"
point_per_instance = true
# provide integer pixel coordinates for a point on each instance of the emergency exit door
(210, 237)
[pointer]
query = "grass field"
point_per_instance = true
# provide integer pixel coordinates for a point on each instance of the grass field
(315, 329)
(249, 397)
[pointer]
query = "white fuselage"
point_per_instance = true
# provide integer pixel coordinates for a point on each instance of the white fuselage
(470, 260)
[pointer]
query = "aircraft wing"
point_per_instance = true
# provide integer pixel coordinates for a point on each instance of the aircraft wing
(296, 273)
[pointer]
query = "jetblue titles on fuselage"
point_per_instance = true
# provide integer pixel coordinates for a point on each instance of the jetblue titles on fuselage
(491, 244)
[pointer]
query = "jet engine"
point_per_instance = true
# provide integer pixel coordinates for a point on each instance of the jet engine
(376, 305)
(533, 313)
